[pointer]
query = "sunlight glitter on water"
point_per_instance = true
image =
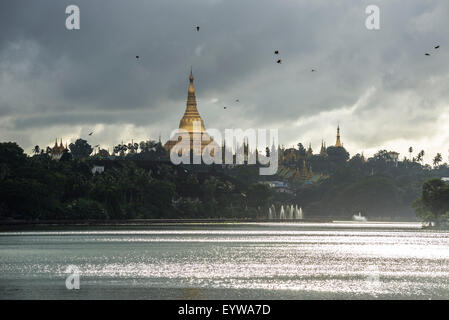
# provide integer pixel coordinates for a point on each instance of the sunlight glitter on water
(278, 260)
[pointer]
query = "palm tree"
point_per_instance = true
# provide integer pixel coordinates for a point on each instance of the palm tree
(36, 149)
(420, 156)
(438, 158)
(132, 147)
(121, 149)
(147, 146)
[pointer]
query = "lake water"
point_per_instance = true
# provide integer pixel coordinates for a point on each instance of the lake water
(229, 261)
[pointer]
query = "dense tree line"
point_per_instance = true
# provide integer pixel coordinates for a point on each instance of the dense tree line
(380, 186)
(40, 188)
(36, 187)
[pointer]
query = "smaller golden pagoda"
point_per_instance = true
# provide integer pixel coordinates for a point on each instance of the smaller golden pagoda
(57, 151)
(323, 148)
(338, 143)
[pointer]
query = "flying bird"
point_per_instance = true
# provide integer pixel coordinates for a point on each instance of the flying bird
(313, 70)
(276, 52)
(137, 57)
(197, 28)
(91, 133)
(427, 54)
(437, 47)
(279, 61)
(224, 107)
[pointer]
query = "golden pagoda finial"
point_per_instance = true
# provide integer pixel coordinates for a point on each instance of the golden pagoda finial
(338, 143)
(191, 86)
(191, 122)
(191, 114)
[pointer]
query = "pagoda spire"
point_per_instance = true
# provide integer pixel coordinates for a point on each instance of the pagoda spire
(309, 150)
(323, 148)
(192, 123)
(191, 114)
(338, 143)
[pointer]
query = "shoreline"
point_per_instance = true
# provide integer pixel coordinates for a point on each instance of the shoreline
(326, 222)
(143, 222)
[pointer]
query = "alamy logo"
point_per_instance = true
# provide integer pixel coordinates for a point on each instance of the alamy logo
(72, 22)
(372, 22)
(239, 147)
(73, 280)
(372, 280)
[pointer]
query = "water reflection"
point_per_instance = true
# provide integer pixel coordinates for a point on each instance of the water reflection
(232, 261)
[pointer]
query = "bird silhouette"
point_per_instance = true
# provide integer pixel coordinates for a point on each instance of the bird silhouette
(313, 70)
(91, 133)
(197, 28)
(279, 61)
(224, 108)
(427, 54)
(137, 57)
(437, 47)
(276, 52)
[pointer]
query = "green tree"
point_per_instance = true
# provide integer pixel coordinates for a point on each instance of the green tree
(433, 205)
(147, 146)
(337, 156)
(357, 162)
(420, 156)
(437, 160)
(80, 149)
(11, 154)
(36, 149)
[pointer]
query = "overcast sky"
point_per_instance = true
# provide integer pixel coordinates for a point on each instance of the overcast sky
(378, 85)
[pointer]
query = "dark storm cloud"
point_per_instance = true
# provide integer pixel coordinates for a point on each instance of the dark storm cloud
(54, 81)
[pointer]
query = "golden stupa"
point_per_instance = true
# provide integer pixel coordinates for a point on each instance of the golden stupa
(191, 115)
(338, 142)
